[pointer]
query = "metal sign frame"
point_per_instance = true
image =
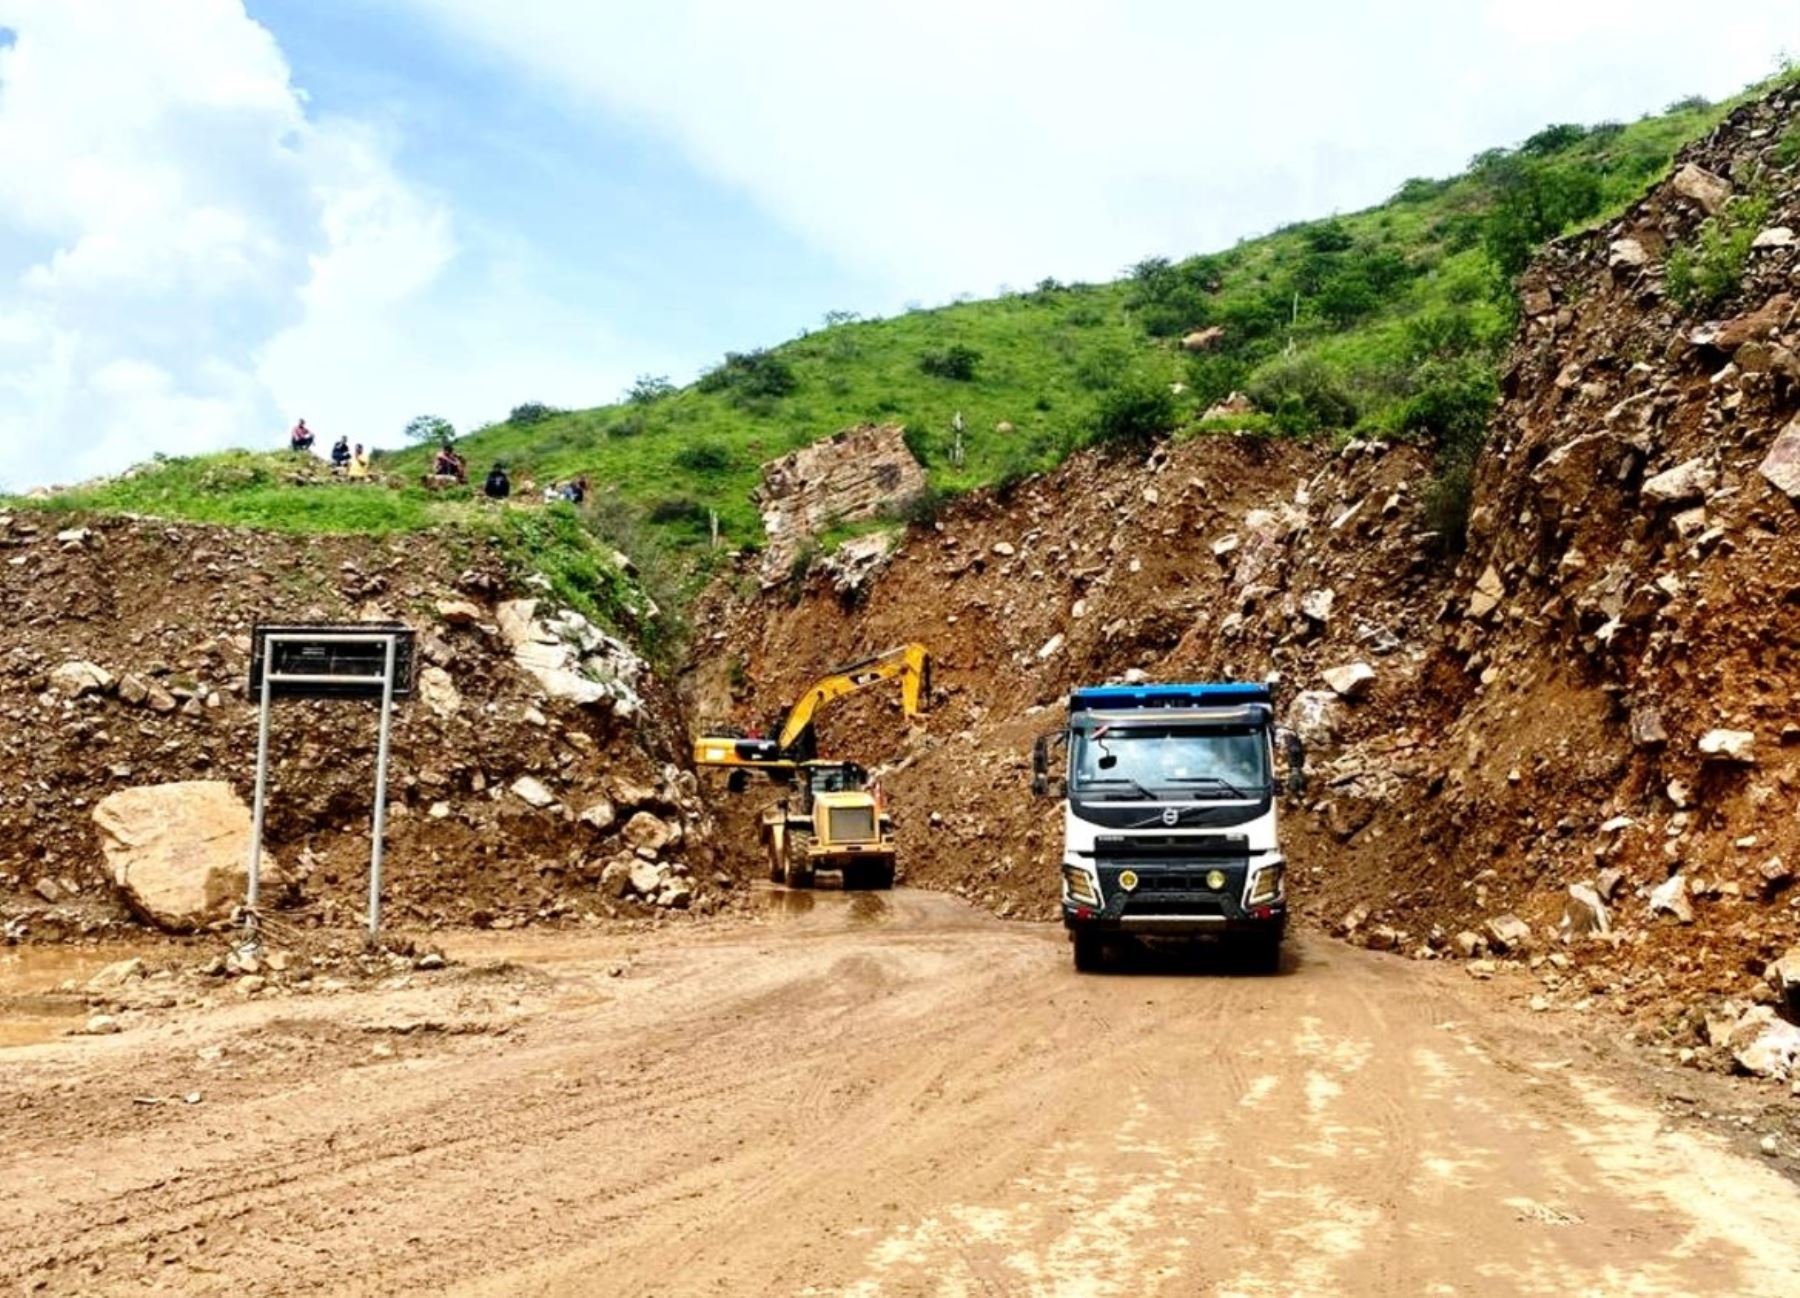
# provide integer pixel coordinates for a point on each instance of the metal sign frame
(271, 682)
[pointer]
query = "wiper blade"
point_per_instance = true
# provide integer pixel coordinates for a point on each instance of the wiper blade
(1220, 781)
(1125, 779)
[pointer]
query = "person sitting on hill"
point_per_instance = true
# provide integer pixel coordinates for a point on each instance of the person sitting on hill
(498, 486)
(447, 463)
(301, 439)
(340, 454)
(575, 490)
(359, 462)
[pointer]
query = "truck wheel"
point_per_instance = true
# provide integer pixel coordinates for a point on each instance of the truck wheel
(798, 877)
(775, 866)
(881, 876)
(1262, 953)
(1090, 952)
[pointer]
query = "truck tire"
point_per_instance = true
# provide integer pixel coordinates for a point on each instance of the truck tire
(1090, 951)
(1262, 952)
(797, 874)
(868, 876)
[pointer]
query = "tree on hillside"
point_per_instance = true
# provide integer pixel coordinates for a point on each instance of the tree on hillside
(430, 428)
(647, 388)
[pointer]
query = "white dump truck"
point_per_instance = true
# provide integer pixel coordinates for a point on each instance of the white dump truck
(1170, 826)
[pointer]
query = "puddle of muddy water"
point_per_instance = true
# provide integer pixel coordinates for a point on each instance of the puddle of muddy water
(40, 988)
(792, 903)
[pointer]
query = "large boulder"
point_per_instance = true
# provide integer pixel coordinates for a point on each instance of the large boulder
(177, 851)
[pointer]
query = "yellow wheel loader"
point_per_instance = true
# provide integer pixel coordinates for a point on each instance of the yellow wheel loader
(830, 819)
(832, 822)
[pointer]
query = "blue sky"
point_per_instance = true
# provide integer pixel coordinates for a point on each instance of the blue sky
(219, 215)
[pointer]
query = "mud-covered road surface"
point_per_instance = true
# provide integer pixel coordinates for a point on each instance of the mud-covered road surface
(870, 1094)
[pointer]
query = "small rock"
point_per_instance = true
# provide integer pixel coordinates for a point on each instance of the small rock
(74, 679)
(430, 960)
(1777, 236)
(1686, 482)
(647, 833)
(533, 792)
(1776, 874)
(117, 974)
(1700, 186)
(1468, 944)
(1508, 933)
(1583, 912)
(1352, 681)
(1005, 549)
(1489, 591)
(1050, 647)
(1647, 728)
(1671, 898)
(600, 815)
(1781, 466)
(100, 1025)
(1627, 254)
(1737, 746)
(646, 879)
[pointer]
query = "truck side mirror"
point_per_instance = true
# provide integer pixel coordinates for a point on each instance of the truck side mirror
(1040, 767)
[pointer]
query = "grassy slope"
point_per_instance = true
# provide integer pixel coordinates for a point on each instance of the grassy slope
(1048, 360)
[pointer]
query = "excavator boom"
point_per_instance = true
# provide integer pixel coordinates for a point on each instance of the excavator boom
(911, 663)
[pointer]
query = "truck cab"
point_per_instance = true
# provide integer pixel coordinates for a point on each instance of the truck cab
(1169, 821)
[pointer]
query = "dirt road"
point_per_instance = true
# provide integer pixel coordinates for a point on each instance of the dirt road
(865, 1094)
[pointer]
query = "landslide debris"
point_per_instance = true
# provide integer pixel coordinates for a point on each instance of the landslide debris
(1574, 747)
(523, 778)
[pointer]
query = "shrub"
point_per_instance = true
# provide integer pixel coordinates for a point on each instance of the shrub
(747, 375)
(1303, 395)
(527, 413)
(1450, 404)
(921, 509)
(1787, 149)
(953, 362)
(430, 428)
(1709, 273)
(1213, 376)
(703, 457)
(1420, 190)
(917, 441)
(678, 509)
(1135, 412)
(648, 388)
(1554, 139)
(1533, 201)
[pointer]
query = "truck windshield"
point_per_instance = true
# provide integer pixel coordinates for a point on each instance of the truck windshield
(1139, 763)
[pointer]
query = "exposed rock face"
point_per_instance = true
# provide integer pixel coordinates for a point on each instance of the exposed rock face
(573, 660)
(177, 851)
(855, 474)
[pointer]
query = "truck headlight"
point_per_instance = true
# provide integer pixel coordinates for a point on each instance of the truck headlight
(1265, 884)
(1080, 885)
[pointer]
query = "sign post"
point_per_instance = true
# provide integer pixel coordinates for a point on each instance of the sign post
(327, 661)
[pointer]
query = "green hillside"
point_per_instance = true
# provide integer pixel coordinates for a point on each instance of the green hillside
(1388, 321)
(1383, 321)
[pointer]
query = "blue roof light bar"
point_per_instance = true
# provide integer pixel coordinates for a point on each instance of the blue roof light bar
(1113, 698)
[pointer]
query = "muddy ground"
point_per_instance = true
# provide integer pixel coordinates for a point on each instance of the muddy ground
(874, 1094)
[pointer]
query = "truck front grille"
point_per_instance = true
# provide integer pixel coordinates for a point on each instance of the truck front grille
(852, 824)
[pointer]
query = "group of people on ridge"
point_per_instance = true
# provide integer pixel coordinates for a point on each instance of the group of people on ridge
(447, 463)
(352, 463)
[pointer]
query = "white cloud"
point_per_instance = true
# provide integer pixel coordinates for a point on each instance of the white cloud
(948, 146)
(188, 260)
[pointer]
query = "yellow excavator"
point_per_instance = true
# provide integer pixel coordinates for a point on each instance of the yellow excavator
(832, 820)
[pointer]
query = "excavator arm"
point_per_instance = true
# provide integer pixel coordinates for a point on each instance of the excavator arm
(791, 742)
(911, 663)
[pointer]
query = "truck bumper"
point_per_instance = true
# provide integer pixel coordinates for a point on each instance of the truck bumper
(1213, 921)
